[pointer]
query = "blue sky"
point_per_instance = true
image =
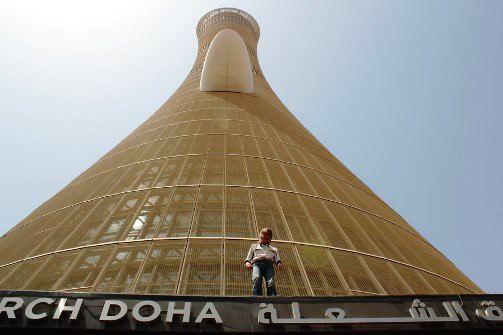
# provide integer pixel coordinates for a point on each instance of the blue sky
(407, 94)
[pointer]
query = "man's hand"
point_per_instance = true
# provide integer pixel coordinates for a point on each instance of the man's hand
(248, 265)
(279, 266)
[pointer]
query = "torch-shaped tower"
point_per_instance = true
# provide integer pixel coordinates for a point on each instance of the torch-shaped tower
(173, 208)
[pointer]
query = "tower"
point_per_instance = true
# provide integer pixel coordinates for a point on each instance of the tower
(173, 208)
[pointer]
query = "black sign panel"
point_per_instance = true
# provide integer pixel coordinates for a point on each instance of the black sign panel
(55, 312)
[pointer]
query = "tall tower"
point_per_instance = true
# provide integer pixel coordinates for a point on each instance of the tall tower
(173, 208)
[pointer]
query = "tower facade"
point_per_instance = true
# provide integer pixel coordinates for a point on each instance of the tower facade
(173, 208)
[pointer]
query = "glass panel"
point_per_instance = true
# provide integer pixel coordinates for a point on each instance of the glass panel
(321, 272)
(200, 144)
(300, 182)
(217, 144)
(203, 268)
(298, 220)
(170, 172)
(178, 217)
(351, 228)
(89, 226)
(83, 273)
(116, 225)
(266, 148)
(237, 278)
(129, 179)
(235, 171)
(278, 176)
(256, 172)
(268, 214)
(183, 145)
(386, 276)
(22, 273)
(289, 280)
(414, 279)
(214, 171)
(192, 170)
(233, 145)
(328, 228)
(162, 267)
(49, 273)
(354, 272)
(146, 223)
(150, 174)
(250, 147)
(208, 220)
(238, 215)
(316, 179)
(120, 274)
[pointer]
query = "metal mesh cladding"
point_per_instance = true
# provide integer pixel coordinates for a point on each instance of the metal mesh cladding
(173, 208)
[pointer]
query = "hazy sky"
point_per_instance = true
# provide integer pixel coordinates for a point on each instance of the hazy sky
(407, 94)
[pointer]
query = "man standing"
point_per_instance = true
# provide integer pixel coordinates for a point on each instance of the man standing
(261, 259)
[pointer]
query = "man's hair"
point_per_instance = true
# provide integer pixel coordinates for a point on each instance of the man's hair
(267, 231)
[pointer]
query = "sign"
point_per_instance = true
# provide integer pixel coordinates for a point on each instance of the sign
(87, 312)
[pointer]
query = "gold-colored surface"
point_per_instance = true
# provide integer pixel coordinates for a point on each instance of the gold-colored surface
(173, 208)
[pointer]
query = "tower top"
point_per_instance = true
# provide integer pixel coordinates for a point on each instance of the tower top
(239, 16)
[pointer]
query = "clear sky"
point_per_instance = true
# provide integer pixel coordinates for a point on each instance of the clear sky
(407, 94)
